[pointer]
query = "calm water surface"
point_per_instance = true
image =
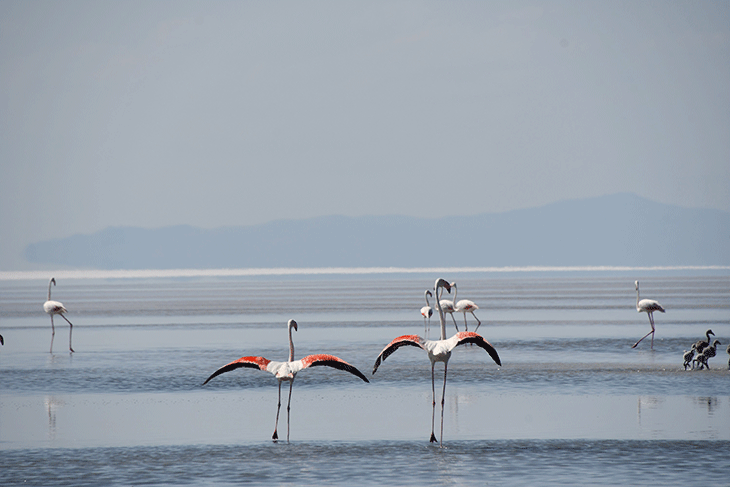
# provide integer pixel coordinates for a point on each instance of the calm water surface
(572, 404)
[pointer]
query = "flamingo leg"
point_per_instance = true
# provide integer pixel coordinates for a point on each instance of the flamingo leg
(53, 333)
(443, 399)
(466, 327)
(70, 330)
(433, 404)
(455, 325)
(275, 436)
(651, 322)
(288, 409)
(479, 323)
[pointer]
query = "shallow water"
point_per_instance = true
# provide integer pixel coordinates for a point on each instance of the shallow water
(571, 404)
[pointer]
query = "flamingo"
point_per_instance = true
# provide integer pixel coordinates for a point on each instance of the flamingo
(647, 306)
(427, 311)
(2, 340)
(464, 306)
(702, 344)
(728, 362)
(709, 352)
(438, 351)
(688, 354)
(57, 308)
(287, 371)
(448, 305)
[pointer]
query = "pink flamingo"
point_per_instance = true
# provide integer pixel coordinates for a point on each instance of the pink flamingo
(56, 308)
(647, 306)
(438, 351)
(464, 306)
(287, 371)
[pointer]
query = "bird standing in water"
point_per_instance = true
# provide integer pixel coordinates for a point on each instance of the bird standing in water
(438, 351)
(287, 371)
(647, 306)
(427, 312)
(57, 308)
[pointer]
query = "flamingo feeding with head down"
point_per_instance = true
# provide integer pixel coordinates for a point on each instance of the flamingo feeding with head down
(427, 312)
(287, 371)
(438, 351)
(57, 308)
(647, 306)
(464, 306)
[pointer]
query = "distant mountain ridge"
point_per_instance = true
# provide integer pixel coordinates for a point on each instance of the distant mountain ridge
(616, 230)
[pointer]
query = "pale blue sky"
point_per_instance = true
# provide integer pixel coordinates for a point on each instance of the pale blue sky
(234, 113)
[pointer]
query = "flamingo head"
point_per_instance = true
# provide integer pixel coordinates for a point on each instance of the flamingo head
(53, 281)
(636, 285)
(709, 332)
(442, 283)
(292, 324)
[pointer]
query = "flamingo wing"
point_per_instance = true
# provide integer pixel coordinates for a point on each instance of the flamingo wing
(331, 361)
(54, 307)
(465, 305)
(647, 305)
(412, 340)
(478, 340)
(251, 362)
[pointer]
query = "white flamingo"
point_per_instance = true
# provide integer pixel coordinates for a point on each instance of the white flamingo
(447, 305)
(438, 351)
(57, 308)
(427, 312)
(464, 306)
(647, 306)
(287, 371)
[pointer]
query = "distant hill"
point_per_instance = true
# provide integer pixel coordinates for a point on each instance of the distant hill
(621, 229)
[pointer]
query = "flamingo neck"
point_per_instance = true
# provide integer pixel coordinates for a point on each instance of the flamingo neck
(49, 289)
(637, 296)
(442, 319)
(453, 284)
(291, 346)
(426, 295)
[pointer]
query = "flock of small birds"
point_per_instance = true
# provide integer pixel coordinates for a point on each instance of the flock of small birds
(701, 352)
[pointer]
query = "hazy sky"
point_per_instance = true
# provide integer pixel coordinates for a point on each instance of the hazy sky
(233, 113)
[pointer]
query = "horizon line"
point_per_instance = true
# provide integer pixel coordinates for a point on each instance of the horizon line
(291, 271)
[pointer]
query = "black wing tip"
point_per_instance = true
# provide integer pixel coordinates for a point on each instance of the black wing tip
(481, 342)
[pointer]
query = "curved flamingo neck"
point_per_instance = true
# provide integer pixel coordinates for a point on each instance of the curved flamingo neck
(426, 295)
(453, 284)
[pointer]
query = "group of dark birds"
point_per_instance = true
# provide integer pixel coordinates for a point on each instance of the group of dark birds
(701, 352)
